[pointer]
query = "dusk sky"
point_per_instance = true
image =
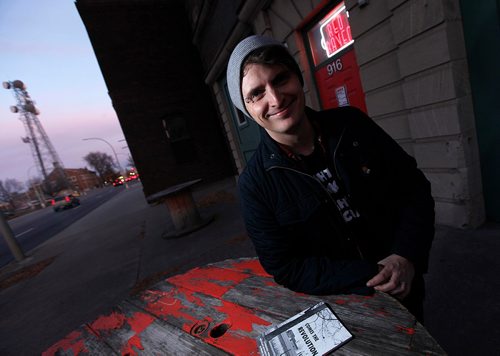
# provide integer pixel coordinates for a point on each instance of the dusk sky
(44, 44)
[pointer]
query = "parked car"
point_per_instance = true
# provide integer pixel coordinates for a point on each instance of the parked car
(8, 213)
(117, 182)
(63, 202)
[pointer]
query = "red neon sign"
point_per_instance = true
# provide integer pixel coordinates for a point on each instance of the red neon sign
(336, 32)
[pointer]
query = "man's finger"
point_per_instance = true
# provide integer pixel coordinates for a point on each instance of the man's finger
(387, 287)
(399, 290)
(379, 278)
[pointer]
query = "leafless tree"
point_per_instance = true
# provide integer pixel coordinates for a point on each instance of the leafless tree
(102, 163)
(9, 188)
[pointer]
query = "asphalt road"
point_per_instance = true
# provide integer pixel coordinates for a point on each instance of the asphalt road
(35, 228)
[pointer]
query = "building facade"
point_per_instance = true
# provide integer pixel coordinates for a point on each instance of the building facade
(154, 77)
(80, 179)
(425, 71)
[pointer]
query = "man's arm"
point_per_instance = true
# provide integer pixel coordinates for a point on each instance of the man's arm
(312, 275)
(411, 191)
(414, 221)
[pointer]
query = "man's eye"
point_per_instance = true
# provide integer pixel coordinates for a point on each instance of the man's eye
(281, 79)
(255, 96)
(257, 93)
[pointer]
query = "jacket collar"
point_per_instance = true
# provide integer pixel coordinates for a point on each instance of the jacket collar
(272, 154)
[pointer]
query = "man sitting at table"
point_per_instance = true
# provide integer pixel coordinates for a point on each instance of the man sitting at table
(331, 202)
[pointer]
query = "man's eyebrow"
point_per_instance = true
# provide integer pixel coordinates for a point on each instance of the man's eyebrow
(283, 71)
(280, 75)
(253, 88)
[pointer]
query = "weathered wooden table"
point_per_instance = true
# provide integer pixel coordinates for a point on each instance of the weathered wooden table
(222, 308)
(180, 203)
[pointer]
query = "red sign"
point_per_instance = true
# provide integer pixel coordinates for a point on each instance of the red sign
(336, 32)
(336, 71)
(330, 35)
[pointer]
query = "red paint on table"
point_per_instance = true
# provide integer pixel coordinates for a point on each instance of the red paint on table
(133, 344)
(140, 321)
(270, 283)
(238, 339)
(341, 301)
(351, 298)
(382, 312)
(175, 304)
(169, 304)
(213, 281)
(74, 342)
(409, 331)
(108, 322)
(241, 318)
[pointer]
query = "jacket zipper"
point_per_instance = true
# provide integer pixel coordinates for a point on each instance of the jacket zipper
(324, 189)
(341, 181)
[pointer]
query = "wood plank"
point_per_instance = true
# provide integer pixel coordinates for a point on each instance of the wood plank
(130, 330)
(223, 307)
(210, 280)
(369, 316)
(381, 321)
(81, 341)
(200, 315)
(171, 190)
(249, 265)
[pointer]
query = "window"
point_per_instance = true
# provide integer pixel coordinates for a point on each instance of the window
(180, 140)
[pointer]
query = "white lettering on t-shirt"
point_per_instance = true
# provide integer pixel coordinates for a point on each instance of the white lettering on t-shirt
(326, 178)
(332, 187)
(324, 175)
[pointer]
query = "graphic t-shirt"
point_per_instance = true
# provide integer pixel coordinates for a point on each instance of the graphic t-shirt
(317, 165)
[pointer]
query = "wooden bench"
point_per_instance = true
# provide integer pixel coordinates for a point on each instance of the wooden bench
(183, 211)
(222, 308)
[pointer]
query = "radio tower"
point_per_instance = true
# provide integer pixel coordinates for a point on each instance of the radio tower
(44, 153)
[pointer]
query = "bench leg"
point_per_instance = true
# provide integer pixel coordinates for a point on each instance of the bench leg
(183, 211)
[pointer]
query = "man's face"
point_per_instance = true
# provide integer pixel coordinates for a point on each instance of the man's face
(274, 98)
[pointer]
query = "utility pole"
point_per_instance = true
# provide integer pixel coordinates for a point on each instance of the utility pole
(9, 238)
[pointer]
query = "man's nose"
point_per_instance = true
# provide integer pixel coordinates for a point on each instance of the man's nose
(274, 96)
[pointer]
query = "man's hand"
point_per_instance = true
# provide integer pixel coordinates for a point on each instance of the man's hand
(395, 276)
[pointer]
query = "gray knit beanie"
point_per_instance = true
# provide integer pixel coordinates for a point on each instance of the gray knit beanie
(240, 53)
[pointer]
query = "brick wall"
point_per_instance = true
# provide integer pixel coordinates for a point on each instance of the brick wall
(414, 72)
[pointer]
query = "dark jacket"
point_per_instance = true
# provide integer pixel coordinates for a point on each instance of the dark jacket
(291, 220)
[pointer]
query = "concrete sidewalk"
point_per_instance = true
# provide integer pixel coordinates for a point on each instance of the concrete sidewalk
(117, 250)
(104, 257)
(462, 308)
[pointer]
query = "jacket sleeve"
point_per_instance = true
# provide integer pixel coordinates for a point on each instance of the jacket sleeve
(307, 274)
(413, 222)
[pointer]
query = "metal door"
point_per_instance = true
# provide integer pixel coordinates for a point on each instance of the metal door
(482, 33)
(248, 133)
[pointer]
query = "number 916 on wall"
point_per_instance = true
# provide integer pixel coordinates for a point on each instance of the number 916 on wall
(334, 66)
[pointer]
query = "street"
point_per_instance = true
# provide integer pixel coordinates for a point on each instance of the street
(37, 227)
(101, 259)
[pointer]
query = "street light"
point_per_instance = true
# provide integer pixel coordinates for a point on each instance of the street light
(114, 152)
